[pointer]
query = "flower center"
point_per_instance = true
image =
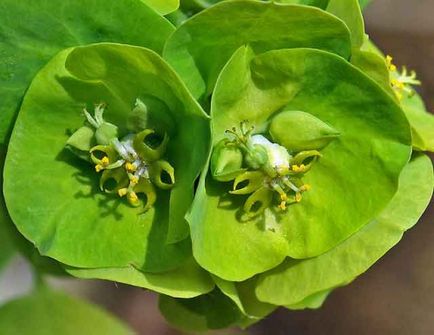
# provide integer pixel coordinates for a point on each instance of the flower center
(130, 166)
(266, 169)
(402, 82)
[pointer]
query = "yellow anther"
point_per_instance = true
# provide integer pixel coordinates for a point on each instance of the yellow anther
(390, 65)
(105, 161)
(282, 205)
(99, 168)
(132, 197)
(134, 180)
(283, 197)
(305, 187)
(298, 197)
(398, 84)
(130, 167)
(298, 168)
(122, 192)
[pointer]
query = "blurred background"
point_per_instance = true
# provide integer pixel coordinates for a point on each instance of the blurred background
(396, 296)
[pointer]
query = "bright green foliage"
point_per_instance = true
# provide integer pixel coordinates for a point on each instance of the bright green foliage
(304, 157)
(7, 248)
(202, 45)
(211, 311)
(63, 185)
(163, 6)
(295, 280)
(421, 121)
(187, 281)
(325, 86)
(34, 31)
(374, 66)
(46, 312)
(349, 12)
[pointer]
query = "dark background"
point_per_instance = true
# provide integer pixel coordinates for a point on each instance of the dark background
(395, 297)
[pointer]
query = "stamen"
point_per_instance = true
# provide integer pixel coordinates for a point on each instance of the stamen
(130, 167)
(105, 161)
(122, 192)
(133, 198)
(134, 180)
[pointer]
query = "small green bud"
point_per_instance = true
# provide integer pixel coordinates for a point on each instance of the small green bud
(105, 133)
(299, 131)
(256, 157)
(81, 142)
(226, 161)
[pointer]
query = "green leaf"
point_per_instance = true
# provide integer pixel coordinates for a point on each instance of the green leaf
(187, 281)
(373, 65)
(66, 216)
(421, 121)
(243, 295)
(349, 11)
(163, 6)
(210, 311)
(34, 31)
(352, 182)
(295, 280)
(317, 3)
(313, 301)
(201, 46)
(46, 312)
(364, 3)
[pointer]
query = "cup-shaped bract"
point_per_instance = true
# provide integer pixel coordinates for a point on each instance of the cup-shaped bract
(353, 180)
(53, 196)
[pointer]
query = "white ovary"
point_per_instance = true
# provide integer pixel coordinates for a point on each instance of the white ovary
(278, 156)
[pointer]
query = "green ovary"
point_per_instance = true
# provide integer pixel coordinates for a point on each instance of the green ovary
(129, 166)
(265, 171)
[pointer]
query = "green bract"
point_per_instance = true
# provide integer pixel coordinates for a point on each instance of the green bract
(201, 46)
(266, 158)
(65, 216)
(331, 90)
(45, 311)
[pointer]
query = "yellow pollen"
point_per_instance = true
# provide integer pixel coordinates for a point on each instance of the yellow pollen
(282, 205)
(305, 187)
(283, 197)
(105, 161)
(134, 180)
(132, 196)
(298, 197)
(130, 167)
(295, 168)
(390, 65)
(99, 167)
(122, 192)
